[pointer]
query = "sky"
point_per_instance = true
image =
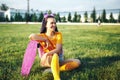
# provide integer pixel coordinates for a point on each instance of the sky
(63, 5)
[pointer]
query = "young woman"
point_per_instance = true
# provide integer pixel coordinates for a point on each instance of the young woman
(51, 42)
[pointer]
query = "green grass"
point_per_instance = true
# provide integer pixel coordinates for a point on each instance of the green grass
(98, 48)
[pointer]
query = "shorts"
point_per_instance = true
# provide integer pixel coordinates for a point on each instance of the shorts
(61, 59)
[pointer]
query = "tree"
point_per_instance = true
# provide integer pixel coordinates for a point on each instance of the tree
(86, 16)
(34, 18)
(2, 19)
(69, 17)
(111, 20)
(57, 16)
(40, 17)
(99, 18)
(59, 19)
(19, 17)
(11, 19)
(78, 18)
(64, 19)
(27, 17)
(103, 17)
(119, 17)
(6, 18)
(75, 17)
(4, 7)
(30, 17)
(93, 15)
(16, 16)
(49, 12)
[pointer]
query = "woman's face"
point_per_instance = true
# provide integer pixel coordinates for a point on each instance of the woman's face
(51, 24)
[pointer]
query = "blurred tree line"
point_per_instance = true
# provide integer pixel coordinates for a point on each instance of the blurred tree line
(76, 18)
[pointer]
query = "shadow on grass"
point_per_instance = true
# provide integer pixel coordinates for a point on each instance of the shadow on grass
(88, 64)
(84, 72)
(92, 63)
(8, 68)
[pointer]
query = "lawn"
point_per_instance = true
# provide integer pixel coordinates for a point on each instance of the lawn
(98, 48)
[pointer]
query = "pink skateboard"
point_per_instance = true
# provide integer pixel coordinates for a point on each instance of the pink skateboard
(29, 58)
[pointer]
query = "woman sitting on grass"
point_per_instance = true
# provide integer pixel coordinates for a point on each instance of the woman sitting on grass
(51, 42)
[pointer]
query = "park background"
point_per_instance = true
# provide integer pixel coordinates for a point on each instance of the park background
(76, 11)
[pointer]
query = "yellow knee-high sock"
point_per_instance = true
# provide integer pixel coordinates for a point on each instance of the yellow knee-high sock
(55, 67)
(69, 66)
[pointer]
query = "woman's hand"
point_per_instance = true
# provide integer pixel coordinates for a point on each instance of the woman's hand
(49, 54)
(31, 35)
(47, 43)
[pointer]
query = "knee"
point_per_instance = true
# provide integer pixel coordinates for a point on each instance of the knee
(78, 62)
(55, 54)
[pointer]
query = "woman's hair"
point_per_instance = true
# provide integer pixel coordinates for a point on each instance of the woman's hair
(44, 22)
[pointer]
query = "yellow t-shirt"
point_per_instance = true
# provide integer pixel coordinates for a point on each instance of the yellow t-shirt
(56, 39)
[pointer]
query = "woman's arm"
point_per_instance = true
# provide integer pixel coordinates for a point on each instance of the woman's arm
(37, 37)
(57, 50)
